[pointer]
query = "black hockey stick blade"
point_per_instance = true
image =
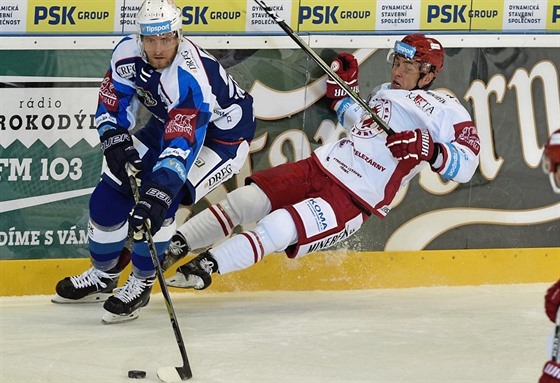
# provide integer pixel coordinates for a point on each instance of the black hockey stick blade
(174, 374)
(326, 67)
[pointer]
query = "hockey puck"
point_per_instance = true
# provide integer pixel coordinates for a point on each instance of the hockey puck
(136, 374)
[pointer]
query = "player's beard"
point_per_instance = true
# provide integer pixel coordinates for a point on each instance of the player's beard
(161, 63)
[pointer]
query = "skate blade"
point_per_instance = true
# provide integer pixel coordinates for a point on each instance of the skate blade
(92, 298)
(110, 318)
(179, 280)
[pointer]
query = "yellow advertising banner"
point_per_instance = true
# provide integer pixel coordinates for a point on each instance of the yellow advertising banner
(486, 15)
(445, 15)
(335, 16)
(55, 16)
(213, 16)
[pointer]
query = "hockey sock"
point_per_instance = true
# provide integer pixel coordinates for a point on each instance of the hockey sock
(273, 233)
(244, 205)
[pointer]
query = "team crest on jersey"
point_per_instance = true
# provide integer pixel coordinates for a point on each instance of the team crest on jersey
(181, 124)
(368, 128)
(146, 97)
(107, 95)
(467, 135)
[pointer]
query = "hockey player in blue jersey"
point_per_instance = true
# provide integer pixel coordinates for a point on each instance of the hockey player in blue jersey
(199, 113)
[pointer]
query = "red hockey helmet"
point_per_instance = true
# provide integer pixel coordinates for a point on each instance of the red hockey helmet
(426, 50)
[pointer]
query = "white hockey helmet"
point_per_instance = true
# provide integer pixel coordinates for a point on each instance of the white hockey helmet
(157, 17)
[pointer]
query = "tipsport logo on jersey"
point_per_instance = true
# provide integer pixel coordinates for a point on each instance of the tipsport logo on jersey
(213, 16)
(73, 16)
(331, 16)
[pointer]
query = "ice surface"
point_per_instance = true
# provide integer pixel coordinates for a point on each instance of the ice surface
(476, 334)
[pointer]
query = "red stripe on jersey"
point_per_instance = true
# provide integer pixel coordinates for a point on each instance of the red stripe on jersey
(227, 142)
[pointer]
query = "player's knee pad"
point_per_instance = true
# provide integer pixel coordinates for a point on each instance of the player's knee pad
(246, 204)
(277, 231)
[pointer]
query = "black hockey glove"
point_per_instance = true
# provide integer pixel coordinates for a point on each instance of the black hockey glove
(118, 150)
(150, 211)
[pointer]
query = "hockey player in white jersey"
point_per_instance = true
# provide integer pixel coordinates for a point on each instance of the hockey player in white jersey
(199, 113)
(317, 202)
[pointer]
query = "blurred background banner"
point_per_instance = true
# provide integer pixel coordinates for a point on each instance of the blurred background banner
(50, 160)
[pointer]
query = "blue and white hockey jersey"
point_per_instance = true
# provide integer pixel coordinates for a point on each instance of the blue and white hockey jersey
(194, 100)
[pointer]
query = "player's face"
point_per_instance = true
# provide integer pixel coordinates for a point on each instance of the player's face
(160, 49)
(406, 74)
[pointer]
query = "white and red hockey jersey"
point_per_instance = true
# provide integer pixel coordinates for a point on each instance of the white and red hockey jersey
(365, 167)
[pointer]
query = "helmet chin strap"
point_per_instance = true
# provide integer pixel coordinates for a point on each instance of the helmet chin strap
(422, 75)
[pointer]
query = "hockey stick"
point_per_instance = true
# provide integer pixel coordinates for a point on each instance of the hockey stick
(166, 374)
(282, 24)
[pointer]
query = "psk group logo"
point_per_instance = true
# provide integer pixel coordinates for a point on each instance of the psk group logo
(213, 16)
(73, 16)
(339, 15)
(461, 14)
(553, 12)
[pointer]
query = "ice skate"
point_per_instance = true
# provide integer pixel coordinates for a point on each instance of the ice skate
(125, 305)
(92, 285)
(195, 274)
(177, 250)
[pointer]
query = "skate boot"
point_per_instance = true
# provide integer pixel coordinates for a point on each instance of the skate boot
(177, 250)
(195, 274)
(125, 305)
(92, 285)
